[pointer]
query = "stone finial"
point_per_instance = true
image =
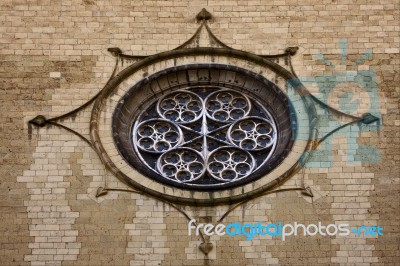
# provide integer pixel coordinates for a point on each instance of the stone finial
(292, 50)
(369, 118)
(39, 121)
(307, 192)
(203, 15)
(206, 247)
(101, 192)
(115, 51)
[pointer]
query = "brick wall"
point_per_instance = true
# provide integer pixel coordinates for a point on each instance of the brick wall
(53, 58)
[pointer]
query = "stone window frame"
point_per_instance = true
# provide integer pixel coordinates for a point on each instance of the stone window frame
(182, 77)
(102, 135)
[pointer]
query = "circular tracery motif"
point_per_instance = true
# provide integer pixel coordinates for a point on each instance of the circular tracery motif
(229, 164)
(157, 136)
(181, 165)
(252, 133)
(227, 106)
(205, 136)
(180, 107)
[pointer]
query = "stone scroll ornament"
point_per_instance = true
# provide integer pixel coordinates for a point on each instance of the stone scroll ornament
(204, 129)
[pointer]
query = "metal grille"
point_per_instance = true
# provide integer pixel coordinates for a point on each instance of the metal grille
(204, 136)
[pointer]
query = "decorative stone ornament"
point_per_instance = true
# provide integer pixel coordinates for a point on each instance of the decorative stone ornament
(201, 134)
(203, 124)
(203, 15)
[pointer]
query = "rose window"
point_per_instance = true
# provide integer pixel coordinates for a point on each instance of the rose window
(204, 136)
